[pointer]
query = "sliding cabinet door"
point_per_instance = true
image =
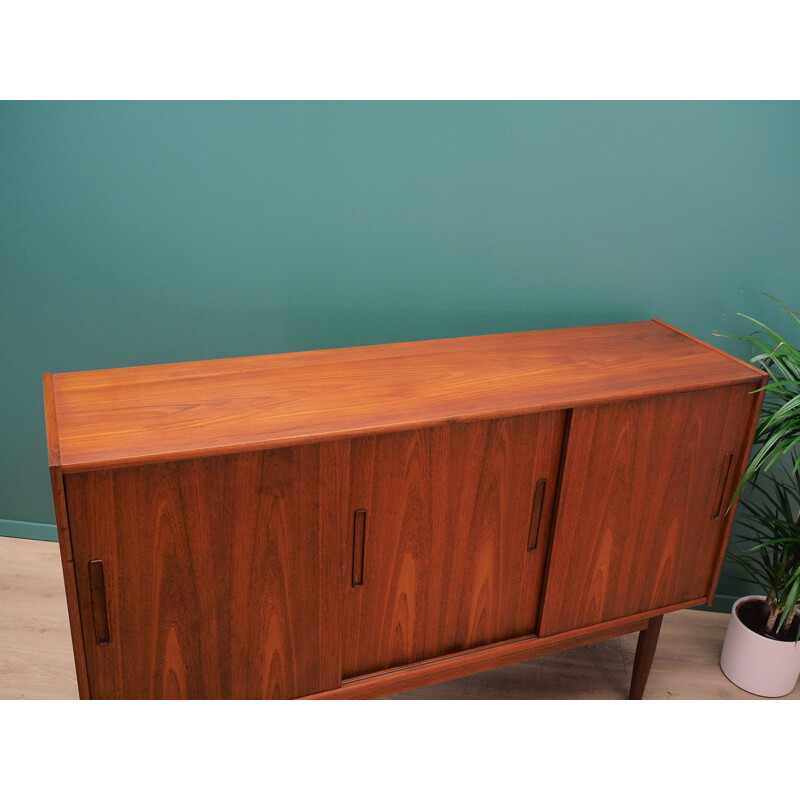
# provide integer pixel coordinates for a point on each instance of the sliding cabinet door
(641, 519)
(387, 568)
(449, 530)
(210, 578)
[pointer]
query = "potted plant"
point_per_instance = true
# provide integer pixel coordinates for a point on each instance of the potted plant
(761, 653)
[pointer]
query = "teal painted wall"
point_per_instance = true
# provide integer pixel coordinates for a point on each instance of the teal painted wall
(136, 233)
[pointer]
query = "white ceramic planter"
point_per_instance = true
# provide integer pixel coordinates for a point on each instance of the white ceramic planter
(756, 664)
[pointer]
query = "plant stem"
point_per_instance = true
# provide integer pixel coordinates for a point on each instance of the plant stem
(787, 623)
(774, 611)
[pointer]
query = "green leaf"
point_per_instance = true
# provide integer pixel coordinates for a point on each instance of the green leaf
(769, 545)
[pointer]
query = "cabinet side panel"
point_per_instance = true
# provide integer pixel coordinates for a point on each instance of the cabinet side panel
(70, 585)
(215, 577)
(637, 528)
(64, 534)
(740, 464)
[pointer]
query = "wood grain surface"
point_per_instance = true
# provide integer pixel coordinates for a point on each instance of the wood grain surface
(638, 526)
(220, 576)
(356, 521)
(70, 582)
(446, 560)
(165, 412)
(384, 617)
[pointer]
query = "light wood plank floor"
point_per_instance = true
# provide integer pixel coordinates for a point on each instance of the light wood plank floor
(36, 651)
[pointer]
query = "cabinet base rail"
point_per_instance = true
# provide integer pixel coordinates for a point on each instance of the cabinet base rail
(525, 648)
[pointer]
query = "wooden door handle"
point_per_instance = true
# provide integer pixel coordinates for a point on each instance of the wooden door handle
(97, 588)
(536, 514)
(716, 509)
(359, 534)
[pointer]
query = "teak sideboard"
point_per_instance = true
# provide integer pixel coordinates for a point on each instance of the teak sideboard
(357, 522)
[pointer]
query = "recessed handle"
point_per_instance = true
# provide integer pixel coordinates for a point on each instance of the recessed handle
(359, 533)
(536, 514)
(97, 588)
(716, 509)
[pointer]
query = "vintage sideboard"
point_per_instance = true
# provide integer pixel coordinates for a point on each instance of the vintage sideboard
(357, 522)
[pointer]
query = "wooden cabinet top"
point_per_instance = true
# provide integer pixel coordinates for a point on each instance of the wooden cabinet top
(138, 415)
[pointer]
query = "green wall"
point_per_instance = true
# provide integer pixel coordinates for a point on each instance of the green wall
(135, 233)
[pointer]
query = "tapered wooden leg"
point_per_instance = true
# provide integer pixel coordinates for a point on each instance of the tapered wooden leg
(645, 650)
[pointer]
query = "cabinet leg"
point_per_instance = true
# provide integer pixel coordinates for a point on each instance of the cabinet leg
(645, 650)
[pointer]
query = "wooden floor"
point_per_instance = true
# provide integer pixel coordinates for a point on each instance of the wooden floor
(36, 651)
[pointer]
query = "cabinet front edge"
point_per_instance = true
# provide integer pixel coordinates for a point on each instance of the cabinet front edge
(51, 420)
(70, 580)
(139, 459)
